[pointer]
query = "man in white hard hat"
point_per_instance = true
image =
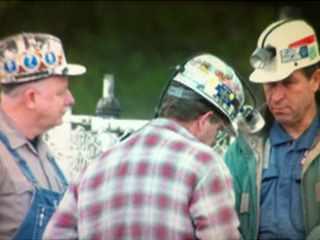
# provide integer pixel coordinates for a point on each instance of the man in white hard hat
(34, 97)
(164, 181)
(277, 171)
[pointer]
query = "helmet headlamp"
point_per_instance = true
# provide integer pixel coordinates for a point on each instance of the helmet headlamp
(261, 57)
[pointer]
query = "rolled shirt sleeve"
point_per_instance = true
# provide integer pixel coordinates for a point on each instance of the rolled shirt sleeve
(212, 205)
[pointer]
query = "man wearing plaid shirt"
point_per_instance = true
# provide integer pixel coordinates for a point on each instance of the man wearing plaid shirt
(164, 181)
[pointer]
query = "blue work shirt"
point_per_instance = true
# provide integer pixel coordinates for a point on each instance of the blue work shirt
(281, 205)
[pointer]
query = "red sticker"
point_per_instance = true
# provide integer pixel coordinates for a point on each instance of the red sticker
(304, 41)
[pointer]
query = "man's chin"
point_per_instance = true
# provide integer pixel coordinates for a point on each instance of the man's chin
(282, 118)
(59, 122)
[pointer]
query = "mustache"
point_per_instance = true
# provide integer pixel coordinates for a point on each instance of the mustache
(277, 106)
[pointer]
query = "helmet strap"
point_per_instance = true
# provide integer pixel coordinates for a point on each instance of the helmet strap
(183, 93)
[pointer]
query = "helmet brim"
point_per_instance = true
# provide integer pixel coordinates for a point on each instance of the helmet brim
(70, 70)
(265, 76)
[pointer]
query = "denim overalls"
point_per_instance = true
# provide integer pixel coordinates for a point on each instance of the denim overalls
(43, 203)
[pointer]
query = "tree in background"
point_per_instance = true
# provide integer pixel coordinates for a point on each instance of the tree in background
(139, 41)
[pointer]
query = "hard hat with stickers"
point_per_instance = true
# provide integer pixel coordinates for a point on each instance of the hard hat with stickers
(283, 47)
(216, 82)
(31, 56)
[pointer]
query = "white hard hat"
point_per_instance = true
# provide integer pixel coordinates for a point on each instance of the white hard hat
(31, 56)
(283, 47)
(216, 82)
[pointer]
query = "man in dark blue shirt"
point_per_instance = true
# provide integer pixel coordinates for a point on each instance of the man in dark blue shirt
(276, 171)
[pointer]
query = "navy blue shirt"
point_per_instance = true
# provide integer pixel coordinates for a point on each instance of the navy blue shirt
(281, 205)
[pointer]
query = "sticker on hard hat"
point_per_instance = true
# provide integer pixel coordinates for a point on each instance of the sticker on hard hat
(30, 61)
(225, 94)
(10, 66)
(313, 52)
(294, 54)
(308, 40)
(50, 58)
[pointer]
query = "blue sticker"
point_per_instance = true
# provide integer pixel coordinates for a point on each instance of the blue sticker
(200, 87)
(225, 94)
(50, 58)
(30, 61)
(10, 66)
(304, 51)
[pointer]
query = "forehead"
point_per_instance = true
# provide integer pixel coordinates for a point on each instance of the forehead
(53, 83)
(296, 76)
(58, 80)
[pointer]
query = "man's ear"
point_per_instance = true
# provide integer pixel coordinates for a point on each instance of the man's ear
(316, 80)
(204, 118)
(30, 98)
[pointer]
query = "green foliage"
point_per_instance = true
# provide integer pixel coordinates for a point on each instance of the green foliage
(140, 42)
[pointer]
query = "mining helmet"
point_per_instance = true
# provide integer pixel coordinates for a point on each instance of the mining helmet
(283, 47)
(209, 77)
(32, 56)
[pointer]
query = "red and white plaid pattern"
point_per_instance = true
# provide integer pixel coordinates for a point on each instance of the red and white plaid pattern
(161, 183)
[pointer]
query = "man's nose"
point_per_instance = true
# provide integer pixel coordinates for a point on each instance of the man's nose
(277, 92)
(69, 100)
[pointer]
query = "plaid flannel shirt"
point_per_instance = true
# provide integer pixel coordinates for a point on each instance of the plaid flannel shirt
(161, 183)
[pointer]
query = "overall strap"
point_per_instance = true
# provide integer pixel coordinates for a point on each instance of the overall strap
(58, 171)
(21, 162)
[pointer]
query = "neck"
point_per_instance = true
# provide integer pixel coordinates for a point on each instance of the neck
(18, 115)
(296, 129)
(186, 125)
(193, 127)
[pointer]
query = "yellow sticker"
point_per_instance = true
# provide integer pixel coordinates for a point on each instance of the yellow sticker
(212, 81)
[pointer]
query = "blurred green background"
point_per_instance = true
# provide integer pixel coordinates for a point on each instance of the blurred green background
(140, 42)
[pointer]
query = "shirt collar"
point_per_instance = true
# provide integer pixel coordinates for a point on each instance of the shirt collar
(173, 126)
(279, 136)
